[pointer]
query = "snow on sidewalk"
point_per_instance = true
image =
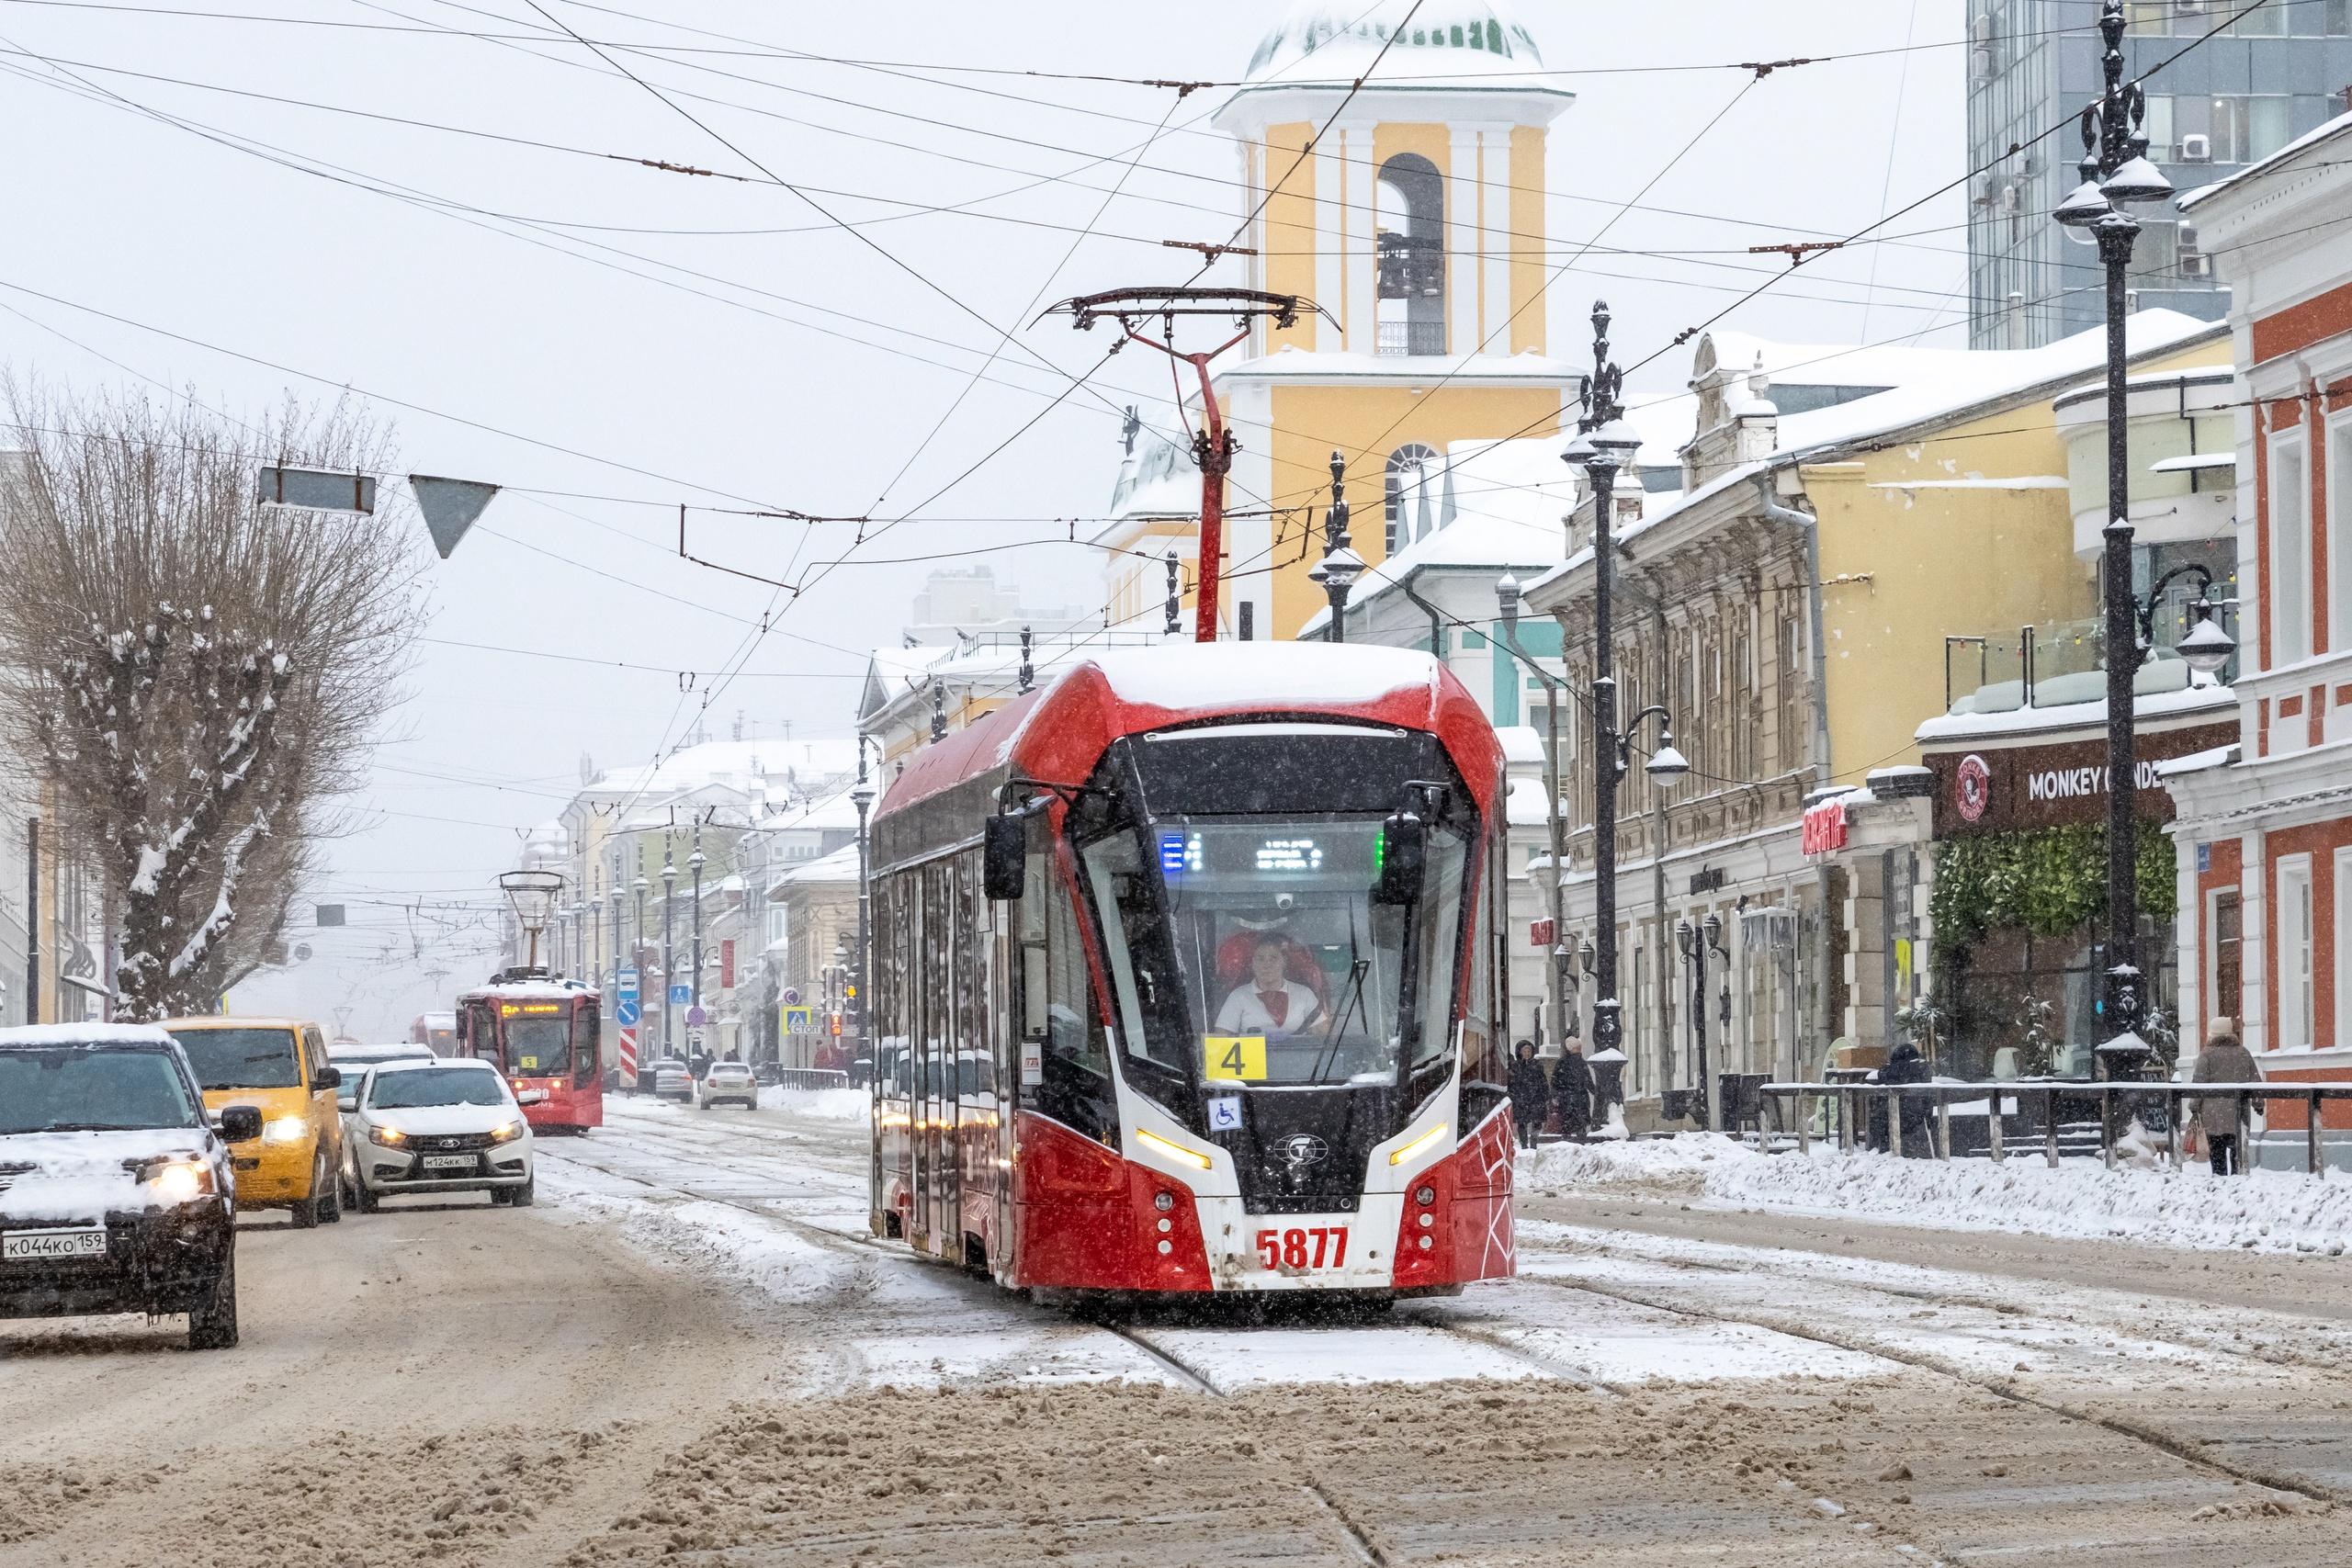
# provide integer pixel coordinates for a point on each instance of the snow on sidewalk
(2267, 1211)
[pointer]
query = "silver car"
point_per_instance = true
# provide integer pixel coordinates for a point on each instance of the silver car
(729, 1083)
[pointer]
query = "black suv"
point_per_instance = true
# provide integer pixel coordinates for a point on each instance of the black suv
(116, 1194)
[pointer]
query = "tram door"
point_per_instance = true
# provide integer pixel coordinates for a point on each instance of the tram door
(954, 1062)
(930, 995)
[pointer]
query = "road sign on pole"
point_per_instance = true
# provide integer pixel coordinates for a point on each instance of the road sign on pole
(680, 995)
(696, 1017)
(799, 1019)
(625, 1011)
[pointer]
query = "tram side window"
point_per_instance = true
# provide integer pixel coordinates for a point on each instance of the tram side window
(1440, 932)
(1057, 1007)
(584, 1044)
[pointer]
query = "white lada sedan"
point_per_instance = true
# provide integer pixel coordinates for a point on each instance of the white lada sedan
(443, 1124)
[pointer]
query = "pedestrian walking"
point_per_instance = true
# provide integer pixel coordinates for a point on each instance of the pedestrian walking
(1912, 1110)
(2223, 1116)
(1528, 1094)
(1572, 1093)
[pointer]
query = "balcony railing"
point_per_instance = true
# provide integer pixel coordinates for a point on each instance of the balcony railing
(1411, 337)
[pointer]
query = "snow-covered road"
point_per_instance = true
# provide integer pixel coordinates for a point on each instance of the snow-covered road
(692, 1351)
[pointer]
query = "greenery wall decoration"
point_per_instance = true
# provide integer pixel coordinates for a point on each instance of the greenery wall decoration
(2049, 882)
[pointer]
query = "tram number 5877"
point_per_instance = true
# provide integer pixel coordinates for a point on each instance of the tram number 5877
(1318, 1246)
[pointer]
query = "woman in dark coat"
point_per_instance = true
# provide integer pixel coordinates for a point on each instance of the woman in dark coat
(1572, 1089)
(1528, 1094)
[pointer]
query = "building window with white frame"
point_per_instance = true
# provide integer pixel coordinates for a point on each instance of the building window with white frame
(2341, 969)
(2339, 531)
(2291, 551)
(2295, 953)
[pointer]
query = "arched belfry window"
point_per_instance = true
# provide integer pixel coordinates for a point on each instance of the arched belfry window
(1414, 509)
(1409, 220)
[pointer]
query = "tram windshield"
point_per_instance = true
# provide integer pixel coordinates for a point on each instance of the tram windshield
(538, 1045)
(1250, 951)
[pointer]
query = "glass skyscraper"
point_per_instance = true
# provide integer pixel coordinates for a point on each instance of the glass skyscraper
(2270, 76)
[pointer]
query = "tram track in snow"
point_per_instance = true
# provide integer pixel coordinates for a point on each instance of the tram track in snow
(1143, 1339)
(2187, 1451)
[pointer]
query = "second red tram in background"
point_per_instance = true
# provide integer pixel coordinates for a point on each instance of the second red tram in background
(438, 1032)
(542, 1034)
(1188, 977)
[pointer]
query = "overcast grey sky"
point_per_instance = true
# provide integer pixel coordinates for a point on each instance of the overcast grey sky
(719, 344)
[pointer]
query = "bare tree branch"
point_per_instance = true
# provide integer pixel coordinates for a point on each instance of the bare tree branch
(197, 672)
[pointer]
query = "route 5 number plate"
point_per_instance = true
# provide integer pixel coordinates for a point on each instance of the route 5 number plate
(1301, 1248)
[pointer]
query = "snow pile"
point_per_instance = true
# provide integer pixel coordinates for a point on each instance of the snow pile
(1665, 1166)
(826, 1104)
(716, 1240)
(2266, 1210)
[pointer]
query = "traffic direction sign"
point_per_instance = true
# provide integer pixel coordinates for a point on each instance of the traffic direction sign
(625, 1011)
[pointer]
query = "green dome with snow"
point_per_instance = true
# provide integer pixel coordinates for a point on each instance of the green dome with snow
(1317, 41)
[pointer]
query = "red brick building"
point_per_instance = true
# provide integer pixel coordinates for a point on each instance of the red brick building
(2265, 826)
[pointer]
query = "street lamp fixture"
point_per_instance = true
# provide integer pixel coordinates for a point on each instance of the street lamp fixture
(2207, 647)
(2116, 171)
(1337, 572)
(669, 946)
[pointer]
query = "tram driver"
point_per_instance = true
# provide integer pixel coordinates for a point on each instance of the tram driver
(1269, 1002)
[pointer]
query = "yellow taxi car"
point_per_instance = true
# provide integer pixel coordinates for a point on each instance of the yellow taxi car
(278, 1065)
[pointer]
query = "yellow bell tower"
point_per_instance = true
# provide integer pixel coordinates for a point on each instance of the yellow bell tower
(1411, 209)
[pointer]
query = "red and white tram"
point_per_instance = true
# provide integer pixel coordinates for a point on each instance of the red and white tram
(1188, 978)
(542, 1034)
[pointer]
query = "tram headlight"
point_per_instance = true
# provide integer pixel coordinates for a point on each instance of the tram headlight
(1425, 1195)
(1399, 1156)
(1173, 1149)
(1163, 1201)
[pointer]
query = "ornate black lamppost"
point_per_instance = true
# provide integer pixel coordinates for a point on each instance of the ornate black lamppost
(1337, 572)
(2115, 171)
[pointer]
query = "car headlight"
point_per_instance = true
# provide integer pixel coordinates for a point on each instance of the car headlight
(286, 1129)
(506, 1132)
(389, 1137)
(176, 1181)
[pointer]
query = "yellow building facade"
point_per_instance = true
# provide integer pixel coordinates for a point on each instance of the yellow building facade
(1410, 211)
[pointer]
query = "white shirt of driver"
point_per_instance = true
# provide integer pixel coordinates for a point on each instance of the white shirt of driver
(1245, 1012)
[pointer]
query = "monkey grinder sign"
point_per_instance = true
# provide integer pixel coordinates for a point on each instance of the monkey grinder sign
(2018, 788)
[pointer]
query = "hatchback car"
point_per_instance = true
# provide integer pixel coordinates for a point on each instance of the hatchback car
(727, 1083)
(116, 1193)
(442, 1126)
(280, 1066)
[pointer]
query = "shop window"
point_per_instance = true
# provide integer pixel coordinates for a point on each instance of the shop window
(2295, 1012)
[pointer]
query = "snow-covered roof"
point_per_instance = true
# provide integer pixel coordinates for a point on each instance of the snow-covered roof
(83, 1034)
(735, 765)
(838, 867)
(1521, 744)
(1448, 43)
(1955, 383)
(2023, 721)
(1188, 675)
(834, 811)
(2339, 126)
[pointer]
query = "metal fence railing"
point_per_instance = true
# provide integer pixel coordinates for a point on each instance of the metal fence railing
(1849, 1104)
(812, 1078)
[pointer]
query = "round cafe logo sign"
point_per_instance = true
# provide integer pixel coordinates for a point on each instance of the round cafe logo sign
(1972, 787)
